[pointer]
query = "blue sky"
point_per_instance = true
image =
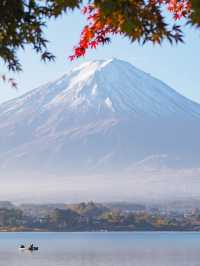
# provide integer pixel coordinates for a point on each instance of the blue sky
(178, 66)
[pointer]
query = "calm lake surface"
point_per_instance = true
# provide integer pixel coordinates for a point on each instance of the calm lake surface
(101, 249)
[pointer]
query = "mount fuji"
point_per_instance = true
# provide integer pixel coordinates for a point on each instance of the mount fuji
(103, 120)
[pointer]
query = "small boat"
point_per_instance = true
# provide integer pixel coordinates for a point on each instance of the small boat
(22, 248)
(34, 249)
(30, 248)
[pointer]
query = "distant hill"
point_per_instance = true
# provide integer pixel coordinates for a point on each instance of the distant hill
(92, 216)
(126, 206)
(7, 205)
(89, 209)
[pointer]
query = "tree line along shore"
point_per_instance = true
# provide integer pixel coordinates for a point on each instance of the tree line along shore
(96, 217)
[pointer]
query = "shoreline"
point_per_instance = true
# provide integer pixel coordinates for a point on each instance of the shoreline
(97, 231)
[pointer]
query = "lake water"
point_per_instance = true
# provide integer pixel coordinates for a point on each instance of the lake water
(101, 249)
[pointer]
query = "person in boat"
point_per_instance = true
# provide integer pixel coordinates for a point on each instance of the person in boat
(31, 247)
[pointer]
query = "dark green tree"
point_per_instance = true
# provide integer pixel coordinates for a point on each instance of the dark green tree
(22, 23)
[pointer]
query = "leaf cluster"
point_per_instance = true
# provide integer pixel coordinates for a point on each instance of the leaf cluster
(22, 22)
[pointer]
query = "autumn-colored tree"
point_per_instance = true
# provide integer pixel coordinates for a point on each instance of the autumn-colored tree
(22, 23)
(139, 20)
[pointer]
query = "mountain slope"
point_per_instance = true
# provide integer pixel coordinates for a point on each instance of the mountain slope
(102, 117)
(111, 85)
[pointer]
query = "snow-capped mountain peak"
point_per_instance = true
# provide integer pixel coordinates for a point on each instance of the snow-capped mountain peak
(119, 87)
(112, 86)
(103, 117)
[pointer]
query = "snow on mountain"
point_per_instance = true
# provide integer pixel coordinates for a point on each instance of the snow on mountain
(110, 85)
(102, 117)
